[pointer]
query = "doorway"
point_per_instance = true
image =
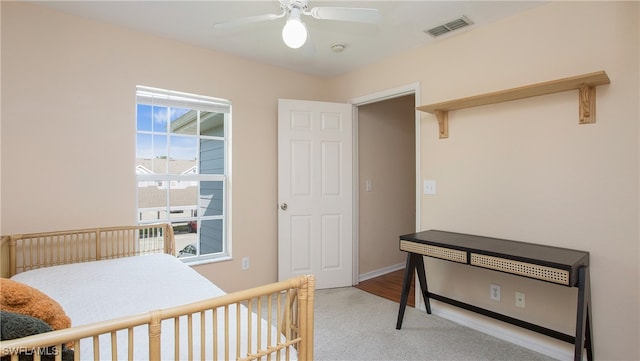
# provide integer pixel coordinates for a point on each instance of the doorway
(386, 183)
(397, 105)
(387, 149)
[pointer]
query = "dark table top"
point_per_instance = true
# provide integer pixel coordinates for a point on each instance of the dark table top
(521, 251)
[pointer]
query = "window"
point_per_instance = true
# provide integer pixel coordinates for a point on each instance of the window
(183, 168)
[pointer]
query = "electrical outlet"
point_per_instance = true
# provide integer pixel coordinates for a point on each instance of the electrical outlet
(494, 292)
(245, 263)
(520, 299)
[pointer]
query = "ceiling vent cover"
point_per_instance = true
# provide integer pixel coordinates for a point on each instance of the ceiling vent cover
(452, 25)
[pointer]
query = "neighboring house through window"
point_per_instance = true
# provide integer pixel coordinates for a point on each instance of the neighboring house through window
(183, 169)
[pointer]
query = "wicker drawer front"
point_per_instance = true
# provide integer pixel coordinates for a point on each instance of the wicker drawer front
(433, 251)
(521, 268)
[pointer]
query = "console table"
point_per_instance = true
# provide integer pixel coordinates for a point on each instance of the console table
(561, 266)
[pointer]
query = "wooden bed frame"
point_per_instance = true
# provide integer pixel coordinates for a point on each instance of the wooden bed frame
(287, 305)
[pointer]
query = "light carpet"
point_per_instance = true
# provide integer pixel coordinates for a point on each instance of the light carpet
(351, 324)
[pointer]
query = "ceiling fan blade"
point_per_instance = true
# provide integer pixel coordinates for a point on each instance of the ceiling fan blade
(361, 15)
(247, 20)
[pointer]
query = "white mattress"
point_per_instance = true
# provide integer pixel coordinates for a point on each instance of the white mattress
(102, 290)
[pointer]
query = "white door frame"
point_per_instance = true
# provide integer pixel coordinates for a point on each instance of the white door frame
(413, 88)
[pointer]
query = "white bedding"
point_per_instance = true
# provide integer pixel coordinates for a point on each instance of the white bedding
(102, 290)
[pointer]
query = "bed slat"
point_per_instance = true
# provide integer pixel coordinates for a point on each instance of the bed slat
(37, 250)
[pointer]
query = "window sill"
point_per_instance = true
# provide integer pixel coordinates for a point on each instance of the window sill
(202, 260)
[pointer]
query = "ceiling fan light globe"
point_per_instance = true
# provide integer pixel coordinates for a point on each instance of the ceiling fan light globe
(294, 33)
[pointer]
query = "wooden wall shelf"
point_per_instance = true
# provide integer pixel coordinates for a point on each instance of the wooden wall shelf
(585, 84)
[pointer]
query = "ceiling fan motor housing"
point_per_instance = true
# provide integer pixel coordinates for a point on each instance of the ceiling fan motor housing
(294, 4)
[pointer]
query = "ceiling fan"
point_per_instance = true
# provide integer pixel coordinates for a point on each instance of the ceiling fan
(294, 32)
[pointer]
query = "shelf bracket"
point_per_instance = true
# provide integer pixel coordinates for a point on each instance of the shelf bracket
(587, 104)
(443, 123)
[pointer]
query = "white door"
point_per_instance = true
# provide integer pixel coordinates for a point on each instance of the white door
(315, 172)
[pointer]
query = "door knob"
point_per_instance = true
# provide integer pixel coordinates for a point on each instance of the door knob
(283, 206)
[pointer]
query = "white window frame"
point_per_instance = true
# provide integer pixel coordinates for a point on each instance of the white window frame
(169, 98)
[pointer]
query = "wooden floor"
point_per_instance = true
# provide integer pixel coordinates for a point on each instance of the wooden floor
(388, 286)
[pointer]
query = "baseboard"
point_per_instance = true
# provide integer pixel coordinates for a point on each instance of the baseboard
(536, 342)
(381, 271)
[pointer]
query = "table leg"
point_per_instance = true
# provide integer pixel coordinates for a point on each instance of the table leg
(406, 286)
(583, 319)
(415, 262)
(423, 281)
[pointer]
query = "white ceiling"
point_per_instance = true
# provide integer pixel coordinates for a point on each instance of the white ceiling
(401, 28)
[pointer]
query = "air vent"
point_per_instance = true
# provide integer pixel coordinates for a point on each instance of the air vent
(452, 25)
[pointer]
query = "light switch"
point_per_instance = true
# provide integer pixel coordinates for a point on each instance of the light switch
(429, 186)
(367, 185)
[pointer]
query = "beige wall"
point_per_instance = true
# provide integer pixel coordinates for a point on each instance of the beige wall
(68, 130)
(0, 127)
(386, 157)
(522, 170)
(526, 170)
